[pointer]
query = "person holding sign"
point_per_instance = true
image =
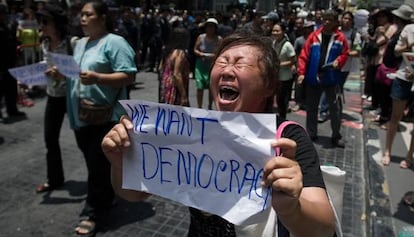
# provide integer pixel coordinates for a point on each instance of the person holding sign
(244, 78)
(53, 22)
(401, 93)
(107, 65)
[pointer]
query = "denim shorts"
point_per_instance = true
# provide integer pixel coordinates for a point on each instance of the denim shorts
(401, 90)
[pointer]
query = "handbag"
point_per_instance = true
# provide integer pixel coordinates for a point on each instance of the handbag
(334, 179)
(381, 74)
(94, 114)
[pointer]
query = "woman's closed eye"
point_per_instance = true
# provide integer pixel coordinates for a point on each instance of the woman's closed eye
(238, 66)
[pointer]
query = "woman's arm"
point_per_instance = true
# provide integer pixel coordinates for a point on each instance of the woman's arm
(198, 52)
(116, 79)
(295, 204)
(288, 63)
(113, 145)
(179, 59)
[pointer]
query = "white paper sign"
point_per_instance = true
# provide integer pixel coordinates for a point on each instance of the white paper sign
(33, 74)
(65, 64)
(205, 159)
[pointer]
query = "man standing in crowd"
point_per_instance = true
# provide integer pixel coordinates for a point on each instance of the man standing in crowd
(8, 85)
(323, 55)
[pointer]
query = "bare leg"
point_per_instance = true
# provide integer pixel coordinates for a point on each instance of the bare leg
(200, 98)
(210, 99)
(398, 107)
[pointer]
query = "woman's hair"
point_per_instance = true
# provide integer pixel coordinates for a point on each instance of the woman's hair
(179, 39)
(282, 25)
(102, 10)
(268, 60)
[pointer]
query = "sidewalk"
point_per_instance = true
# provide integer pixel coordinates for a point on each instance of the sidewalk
(22, 158)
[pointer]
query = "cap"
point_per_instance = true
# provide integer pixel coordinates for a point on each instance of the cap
(212, 21)
(404, 12)
(273, 16)
(309, 24)
(409, 3)
(53, 11)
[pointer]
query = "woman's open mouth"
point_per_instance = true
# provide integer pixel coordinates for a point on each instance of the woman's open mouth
(228, 93)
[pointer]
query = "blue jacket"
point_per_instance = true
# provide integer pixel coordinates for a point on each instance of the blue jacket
(308, 62)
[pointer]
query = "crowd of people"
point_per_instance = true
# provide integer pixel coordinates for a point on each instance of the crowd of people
(248, 61)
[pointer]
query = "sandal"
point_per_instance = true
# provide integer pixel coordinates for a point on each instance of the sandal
(406, 163)
(386, 159)
(86, 228)
(46, 187)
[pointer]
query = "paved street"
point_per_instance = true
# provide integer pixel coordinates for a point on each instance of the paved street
(371, 193)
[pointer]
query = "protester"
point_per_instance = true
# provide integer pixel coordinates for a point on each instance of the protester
(287, 57)
(107, 66)
(53, 23)
(354, 42)
(8, 85)
(383, 30)
(390, 63)
(204, 48)
(244, 79)
(298, 45)
(174, 68)
(320, 62)
(401, 93)
(28, 35)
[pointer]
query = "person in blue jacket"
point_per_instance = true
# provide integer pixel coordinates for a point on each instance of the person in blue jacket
(325, 52)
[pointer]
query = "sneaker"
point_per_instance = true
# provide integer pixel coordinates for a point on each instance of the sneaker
(295, 108)
(338, 142)
(364, 97)
(322, 117)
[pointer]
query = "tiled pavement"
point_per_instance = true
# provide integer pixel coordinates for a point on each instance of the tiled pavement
(22, 161)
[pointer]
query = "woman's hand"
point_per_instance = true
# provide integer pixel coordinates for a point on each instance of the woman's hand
(116, 140)
(408, 74)
(113, 145)
(284, 176)
(89, 77)
(54, 73)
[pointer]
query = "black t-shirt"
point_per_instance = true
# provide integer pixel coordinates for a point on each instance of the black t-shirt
(324, 49)
(306, 155)
(203, 225)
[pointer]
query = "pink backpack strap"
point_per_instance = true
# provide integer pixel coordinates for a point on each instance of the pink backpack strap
(279, 132)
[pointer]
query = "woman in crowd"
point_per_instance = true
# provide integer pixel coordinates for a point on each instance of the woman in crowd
(204, 48)
(244, 78)
(401, 93)
(107, 66)
(53, 23)
(174, 67)
(287, 57)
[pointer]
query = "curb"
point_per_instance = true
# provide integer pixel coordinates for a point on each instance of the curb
(378, 206)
